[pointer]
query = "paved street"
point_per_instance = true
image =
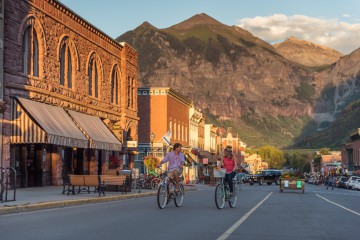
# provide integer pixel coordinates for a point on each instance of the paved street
(262, 213)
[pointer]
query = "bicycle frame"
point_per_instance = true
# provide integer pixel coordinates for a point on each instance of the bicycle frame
(168, 184)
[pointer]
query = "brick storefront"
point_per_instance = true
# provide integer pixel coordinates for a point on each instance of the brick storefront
(55, 57)
(160, 110)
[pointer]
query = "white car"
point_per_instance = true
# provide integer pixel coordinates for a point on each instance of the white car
(350, 182)
(356, 185)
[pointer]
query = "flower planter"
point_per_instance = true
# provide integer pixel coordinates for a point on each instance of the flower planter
(292, 184)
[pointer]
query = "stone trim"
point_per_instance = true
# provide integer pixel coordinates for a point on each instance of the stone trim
(71, 14)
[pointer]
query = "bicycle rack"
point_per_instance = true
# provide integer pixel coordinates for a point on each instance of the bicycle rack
(7, 174)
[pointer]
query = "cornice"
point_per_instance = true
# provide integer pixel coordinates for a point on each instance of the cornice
(156, 91)
(71, 14)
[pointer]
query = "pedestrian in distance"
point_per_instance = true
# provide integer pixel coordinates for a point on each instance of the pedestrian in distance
(228, 162)
(176, 160)
(330, 182)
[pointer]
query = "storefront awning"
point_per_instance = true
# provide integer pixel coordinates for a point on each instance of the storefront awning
(189, 159)
(206, 155)
(35, 122)
(96, 131)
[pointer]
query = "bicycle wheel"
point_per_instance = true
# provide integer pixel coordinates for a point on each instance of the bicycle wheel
(179, 198)
(233, 199)
(220, 196)
(155, 183)
(162, 196)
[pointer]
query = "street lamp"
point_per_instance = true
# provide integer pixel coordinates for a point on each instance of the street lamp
(152, 138)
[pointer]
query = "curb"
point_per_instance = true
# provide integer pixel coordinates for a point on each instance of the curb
(74, 202)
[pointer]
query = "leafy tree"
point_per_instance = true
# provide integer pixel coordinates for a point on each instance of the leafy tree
(250, 151)
(298, 161)
(273, 156)
(317, 163)
(325, 151)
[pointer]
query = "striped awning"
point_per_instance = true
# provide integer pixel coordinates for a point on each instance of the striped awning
(35, 122)
(96, 131)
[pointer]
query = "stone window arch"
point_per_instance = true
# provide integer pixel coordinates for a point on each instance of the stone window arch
(32, 40)
(94, 75)
(68, 62)
(115, 86)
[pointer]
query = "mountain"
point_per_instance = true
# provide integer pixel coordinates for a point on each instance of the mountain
(307, 53)
(336, 110)
(237, 79)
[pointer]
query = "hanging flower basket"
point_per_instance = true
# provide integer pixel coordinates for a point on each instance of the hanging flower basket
(114, 162)
(151, 162)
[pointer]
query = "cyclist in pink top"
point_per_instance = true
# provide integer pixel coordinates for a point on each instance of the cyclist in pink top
(176, 161)
(228, 162)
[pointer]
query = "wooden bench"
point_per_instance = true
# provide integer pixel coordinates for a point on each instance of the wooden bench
(83, 182)
(112, 180)
(92, 181)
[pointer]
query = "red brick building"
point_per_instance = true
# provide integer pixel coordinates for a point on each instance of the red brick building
(160, 110)
(69, 95)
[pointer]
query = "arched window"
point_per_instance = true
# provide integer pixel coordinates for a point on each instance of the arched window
(66, 67)
(115, 87)
(93, 75)
(30, 51)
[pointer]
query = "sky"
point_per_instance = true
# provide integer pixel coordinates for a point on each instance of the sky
(331, 23)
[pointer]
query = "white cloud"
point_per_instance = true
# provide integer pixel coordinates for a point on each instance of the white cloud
(341, 36)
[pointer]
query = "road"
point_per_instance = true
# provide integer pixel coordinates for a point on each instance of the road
(262, 212)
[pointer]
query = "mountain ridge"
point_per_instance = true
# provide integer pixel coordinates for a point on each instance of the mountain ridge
(307, 53)
(237, 78)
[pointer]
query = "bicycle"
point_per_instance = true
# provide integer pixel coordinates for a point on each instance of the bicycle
(166, 192)
(222, 191)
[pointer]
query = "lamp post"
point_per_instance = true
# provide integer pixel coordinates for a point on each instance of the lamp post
(152, 138)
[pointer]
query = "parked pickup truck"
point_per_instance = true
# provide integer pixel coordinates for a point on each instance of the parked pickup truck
(268, 176)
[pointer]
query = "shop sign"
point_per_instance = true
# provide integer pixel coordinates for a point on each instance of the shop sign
(131, 144)
(205, 161)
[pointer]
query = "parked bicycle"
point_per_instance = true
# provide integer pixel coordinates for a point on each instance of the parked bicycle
(222, 191)
(166, 192)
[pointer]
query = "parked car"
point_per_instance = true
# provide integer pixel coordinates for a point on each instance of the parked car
(356, 185)
(351, 181)
(244, 177)
(341, 183)
(268, 176)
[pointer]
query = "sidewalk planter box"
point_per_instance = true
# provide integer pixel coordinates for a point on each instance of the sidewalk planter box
(292, 184)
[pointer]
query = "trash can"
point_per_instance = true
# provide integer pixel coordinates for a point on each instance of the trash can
(128, 179)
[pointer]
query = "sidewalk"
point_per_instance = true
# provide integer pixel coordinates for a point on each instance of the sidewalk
(37, 198)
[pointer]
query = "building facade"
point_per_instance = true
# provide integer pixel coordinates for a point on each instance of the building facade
(69, 94)
(350, 152)
(161, 109)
